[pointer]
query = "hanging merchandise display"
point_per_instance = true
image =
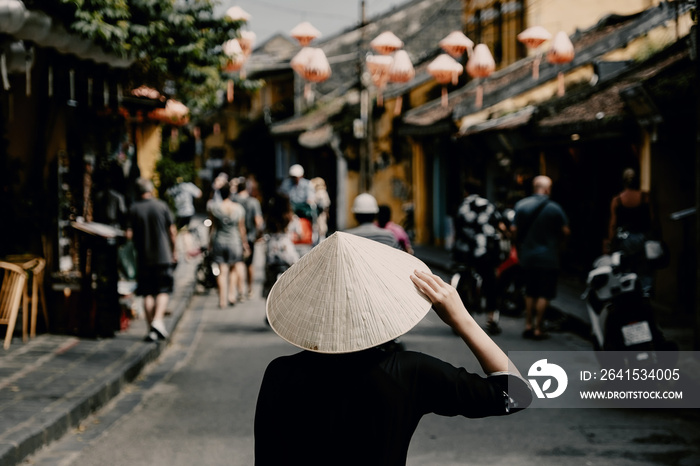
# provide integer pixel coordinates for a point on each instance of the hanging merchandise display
(533, 38)
(561, 53)
(480, 66)
(457, 44)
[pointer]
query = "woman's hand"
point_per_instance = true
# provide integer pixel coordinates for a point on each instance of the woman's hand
(446, 301)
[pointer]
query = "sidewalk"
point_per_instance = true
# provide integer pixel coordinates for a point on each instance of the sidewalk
(52, 382)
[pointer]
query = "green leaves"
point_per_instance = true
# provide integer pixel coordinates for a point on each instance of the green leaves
(170, 40)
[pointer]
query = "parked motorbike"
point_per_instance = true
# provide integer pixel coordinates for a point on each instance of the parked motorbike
(624, 331)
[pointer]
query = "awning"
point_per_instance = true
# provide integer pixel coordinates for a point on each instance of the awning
(316, 138)
(510, 121)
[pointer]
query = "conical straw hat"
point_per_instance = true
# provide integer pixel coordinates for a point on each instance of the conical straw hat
(347, 294)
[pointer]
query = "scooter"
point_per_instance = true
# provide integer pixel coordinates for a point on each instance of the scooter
(624, 332)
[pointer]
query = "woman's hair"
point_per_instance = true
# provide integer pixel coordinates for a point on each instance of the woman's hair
(630, 180)
(225, 191)
(279, 213)
(384, 215)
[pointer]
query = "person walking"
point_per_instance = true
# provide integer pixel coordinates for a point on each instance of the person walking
(280, 251)
(229, 244)
(479, 227)
(365, 209)
(183, 193)
(344, 401)
(151, 228)
(539, 226)
(384, 221)
(299, 191)
(323, 204)
(632, 222)
(253, 227)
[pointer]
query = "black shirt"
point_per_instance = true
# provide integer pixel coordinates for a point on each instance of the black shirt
(362, 408)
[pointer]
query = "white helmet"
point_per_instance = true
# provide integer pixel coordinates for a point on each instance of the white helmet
(296, 171)
(365, 204)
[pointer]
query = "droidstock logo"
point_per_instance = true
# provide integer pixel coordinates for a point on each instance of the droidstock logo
(547, 371)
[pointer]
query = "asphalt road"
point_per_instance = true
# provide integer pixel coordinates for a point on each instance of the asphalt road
(196, 405)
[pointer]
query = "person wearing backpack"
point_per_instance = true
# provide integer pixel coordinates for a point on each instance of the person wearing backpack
(539, 226)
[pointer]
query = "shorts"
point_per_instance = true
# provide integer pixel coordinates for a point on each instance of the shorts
(154, 279)
(226, 253)
(541, 283)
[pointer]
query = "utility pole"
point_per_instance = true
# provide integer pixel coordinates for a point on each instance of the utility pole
(365, 121)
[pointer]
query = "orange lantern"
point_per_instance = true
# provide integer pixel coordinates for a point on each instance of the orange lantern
(532, 38)
(480, 65)
(401, 71)
(378, 67)
(445, 69)
(175, 113)
(386, 43)
(304, 33)
(456, 44)
(562, 52)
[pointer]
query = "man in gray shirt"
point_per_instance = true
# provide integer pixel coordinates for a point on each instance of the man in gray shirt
(540, 225)
(365, 209)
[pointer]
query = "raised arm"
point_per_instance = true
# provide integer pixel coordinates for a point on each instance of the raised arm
(449, 307)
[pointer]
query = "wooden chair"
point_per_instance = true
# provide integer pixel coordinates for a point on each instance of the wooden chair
(14, 279)
(35, 267)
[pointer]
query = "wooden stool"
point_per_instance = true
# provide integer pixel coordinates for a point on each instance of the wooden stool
(34, 266)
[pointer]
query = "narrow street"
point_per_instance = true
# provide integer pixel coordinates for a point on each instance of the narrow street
(196, 405)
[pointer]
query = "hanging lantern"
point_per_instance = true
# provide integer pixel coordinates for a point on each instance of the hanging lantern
(378, 67)
(304, 33)
(316, 70)
(562, 52)
(456, 44)
(386, 43)
(480, 65)
(236, 59)
(401, 71)
(236, 13)
(532, 38)
(234, 52)
(175, 113)
(247, 41)
(445, 69)
(299, 61)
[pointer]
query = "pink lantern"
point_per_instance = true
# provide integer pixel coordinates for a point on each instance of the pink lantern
(445, 69)
(456, 44)
(236, 13)
(378, 67)
(236, 59)
(299, 61)
(386, 43)
(562, 52)
(480, 65)
(304, 33)
(246, 41)
(401, 71)
(532, 38)
(315, 70)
